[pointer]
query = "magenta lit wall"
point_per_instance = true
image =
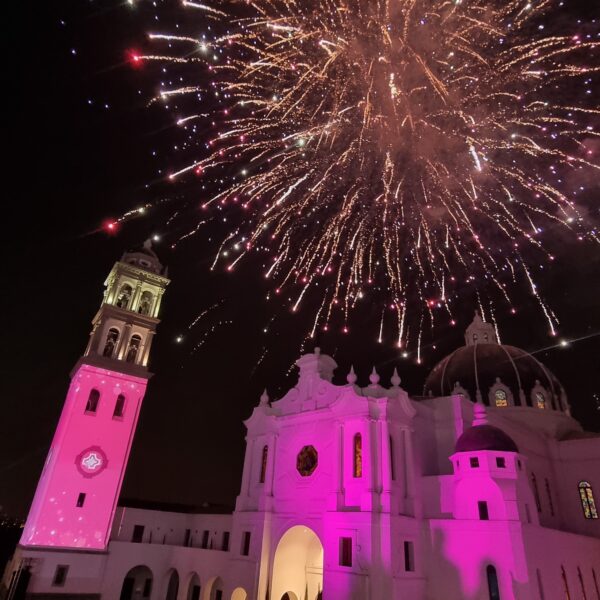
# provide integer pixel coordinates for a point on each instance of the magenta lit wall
(88, 456)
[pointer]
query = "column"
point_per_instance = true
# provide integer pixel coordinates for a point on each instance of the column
(385, 466)
(370, 474)
(248, 468)
(123, 342)
(110, 295)
(335, 499)
(157, 302)
(94, 342)
(135, 297)
(145, 349)
(409, 505)
(270, 480)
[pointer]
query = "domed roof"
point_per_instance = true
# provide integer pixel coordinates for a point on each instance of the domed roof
(495, 374)
(483, 436)
(143, 257)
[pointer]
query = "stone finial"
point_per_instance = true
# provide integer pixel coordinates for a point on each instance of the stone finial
(351, 377)
(374, 377)
(264, 398)
(148, 244)
(317, 351)
(479, 415)
(396, 378)
(480, 332)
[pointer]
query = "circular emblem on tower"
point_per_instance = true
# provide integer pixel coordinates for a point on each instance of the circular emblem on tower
(91, 462)
(307, 461)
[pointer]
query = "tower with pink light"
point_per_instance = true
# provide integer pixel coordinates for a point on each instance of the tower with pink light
(77, 494)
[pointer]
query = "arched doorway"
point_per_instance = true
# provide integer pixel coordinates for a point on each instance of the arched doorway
(137, 584)
(173, 587)
(193, 592)
(298, 565)
(239, 594)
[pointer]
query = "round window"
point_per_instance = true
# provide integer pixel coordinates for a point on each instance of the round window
(307, 460)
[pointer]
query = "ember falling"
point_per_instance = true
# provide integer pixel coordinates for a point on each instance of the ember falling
(389, 152)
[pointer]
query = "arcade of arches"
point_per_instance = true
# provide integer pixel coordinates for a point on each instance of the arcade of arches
(138, 585)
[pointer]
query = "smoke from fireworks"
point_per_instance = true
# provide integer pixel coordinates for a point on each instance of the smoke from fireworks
(392, 149)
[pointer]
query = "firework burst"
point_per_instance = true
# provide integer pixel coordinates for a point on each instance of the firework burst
(397, 150)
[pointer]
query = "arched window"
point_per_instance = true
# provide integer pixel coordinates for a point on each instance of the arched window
(263, 463)
(134, 346)
(492, 581)
(145, 303)
(357, 451)
(173, 588)
(137, 584)
(475, 337)
(540, 400)
(536, 493)
(124, 296)
(119, 406)
(194, 588)
(563, 574)
(111, 342)
(91, 405)
(500, 398)
(587, 500)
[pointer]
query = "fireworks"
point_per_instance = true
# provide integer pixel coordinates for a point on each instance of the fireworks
(393, 151)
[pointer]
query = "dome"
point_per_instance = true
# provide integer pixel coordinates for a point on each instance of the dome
(495, 374)
(485, 437)
(144, 258)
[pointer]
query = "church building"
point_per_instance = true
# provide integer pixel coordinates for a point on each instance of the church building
(482, 488)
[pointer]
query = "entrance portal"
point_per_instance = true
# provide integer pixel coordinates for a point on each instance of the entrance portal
(298, 565)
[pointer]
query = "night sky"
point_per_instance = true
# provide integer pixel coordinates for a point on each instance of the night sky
(82, 148)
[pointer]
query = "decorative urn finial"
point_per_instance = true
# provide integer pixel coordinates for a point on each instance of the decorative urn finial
(351, 377)
(374, 377)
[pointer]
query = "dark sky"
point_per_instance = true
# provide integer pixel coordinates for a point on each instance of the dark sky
(69, 166)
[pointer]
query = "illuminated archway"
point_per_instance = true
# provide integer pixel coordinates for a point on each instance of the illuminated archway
(298, 565)
(239, 594)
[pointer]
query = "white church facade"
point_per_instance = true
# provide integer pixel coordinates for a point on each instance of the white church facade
(484, 488)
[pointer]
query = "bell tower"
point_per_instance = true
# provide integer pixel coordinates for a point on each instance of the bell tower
(77, 493)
